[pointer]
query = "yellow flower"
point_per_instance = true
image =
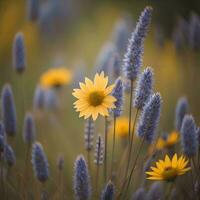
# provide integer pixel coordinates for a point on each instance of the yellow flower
(168, 169)
(168, 142)
(94, 97)
(55, 77)
(121, 126)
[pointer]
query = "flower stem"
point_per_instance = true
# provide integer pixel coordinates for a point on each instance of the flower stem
(105, 150)
(169, 191)
(134, 165)
(97, 180)
(2, 179)
(88, 159)
(129, 151)
(131, 144)
(113, 147)
(130, 112)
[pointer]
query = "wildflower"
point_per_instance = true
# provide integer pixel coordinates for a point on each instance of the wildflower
(155, 192)
(33, 7)
(94, 97)
(99, 151)
(169, 141)
(60, 162)
(89, 134)
(118, 94)
(39, 98)
(9, 155)
(82, 187)
(189, 136)
(133, 56)
(167, 169)
(29, 132)
(55, 78)
(108, 192)
(149, 118)
(8, 111)
(139, 194)
(182, 108)
(19, 53)
(144, 88)
(40, 162)
(122, 127)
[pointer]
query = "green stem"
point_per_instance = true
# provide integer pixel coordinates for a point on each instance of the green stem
(130, 112)
(97, 180)
(169, 191)
(134, 165)
(60, 183)
(113, 147)
(131, 144)
(88, 159)
(105, 150)
(2, 180)
(129, 151)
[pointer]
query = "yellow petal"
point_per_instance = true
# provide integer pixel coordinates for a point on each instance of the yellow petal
(155, 178)
(174, 161)
(167, 161)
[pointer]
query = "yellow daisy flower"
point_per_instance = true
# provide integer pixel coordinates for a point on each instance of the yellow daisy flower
(121, 126)
(56, 77)
(94, 97)
(168, 142)
(168, 169)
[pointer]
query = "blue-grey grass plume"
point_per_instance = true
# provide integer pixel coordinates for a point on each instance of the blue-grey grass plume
(19, 53)
(40, 163)
(108, 192)
(182, 108)
(144, 88)
(29, 132)
(89, 134)
(99, 151)
(189, 138)
(135, 49)
(118, 94)
(82, 188)
(149, 118)
(9, 155)
(9, 117)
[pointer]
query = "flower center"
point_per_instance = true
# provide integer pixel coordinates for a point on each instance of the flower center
(169, 174)
(96, 98)
(57, 84)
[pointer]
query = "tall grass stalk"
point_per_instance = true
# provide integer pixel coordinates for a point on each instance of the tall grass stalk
(130, 112)
(126, 182)
(97, 181)
(2, 179)
(113, 146)
(131, 144)
(105, 149)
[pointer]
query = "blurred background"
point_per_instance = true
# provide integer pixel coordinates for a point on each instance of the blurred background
(72, 33)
